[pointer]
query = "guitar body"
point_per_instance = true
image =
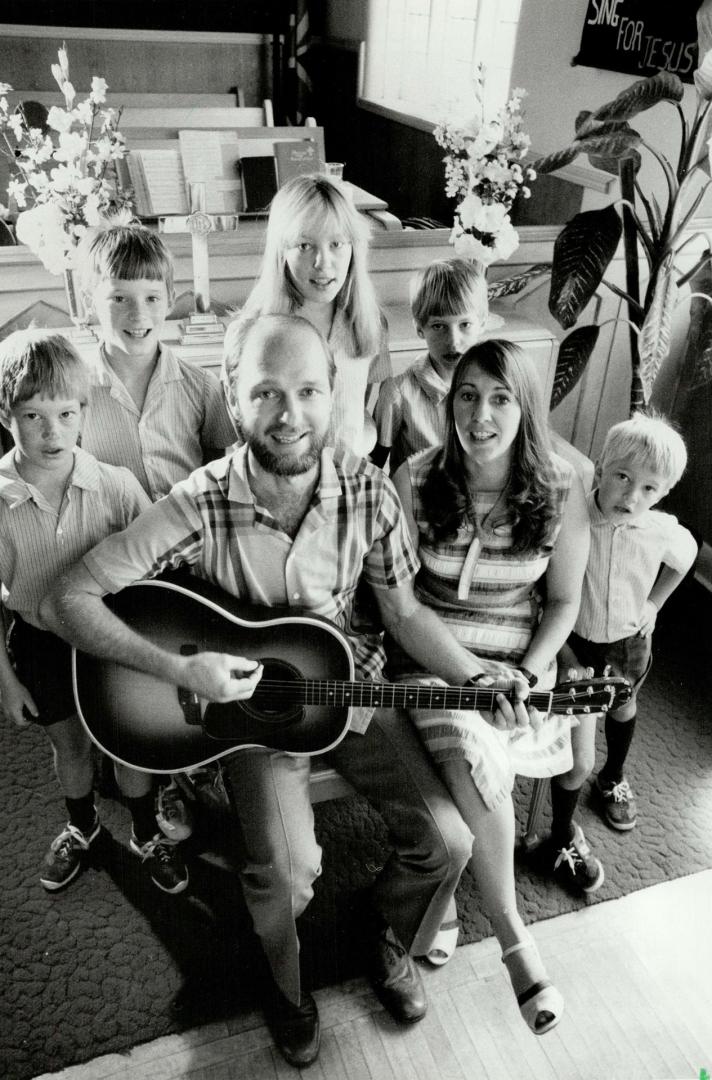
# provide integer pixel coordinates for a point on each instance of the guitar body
(151, 725)
(301, 703)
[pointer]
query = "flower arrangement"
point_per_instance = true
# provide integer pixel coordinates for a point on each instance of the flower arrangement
(483, 171)
(65, 177)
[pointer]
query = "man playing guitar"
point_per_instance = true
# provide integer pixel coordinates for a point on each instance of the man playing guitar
(286, 520)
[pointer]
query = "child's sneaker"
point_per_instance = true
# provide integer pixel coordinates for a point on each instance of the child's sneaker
(208, 786)
(619, 805)
(577, 864)
(64, 859)
(172, 815)
(163, 862)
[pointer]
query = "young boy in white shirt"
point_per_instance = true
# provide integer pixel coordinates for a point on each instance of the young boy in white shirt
(638, 557)
(56, 502)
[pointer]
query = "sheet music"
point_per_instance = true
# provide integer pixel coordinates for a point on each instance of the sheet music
(202, 155)
(163, 170)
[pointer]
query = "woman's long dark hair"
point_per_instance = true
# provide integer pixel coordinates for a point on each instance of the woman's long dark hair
(530, 497)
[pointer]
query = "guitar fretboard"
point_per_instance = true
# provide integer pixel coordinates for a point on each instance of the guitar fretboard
(389, 695)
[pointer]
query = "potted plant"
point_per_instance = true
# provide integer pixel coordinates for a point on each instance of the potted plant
(657, 231)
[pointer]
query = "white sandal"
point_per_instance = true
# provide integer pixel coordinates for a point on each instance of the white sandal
(541, 1005)
(444, 943)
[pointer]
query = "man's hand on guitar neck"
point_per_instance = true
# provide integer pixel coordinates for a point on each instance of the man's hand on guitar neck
(221, 677)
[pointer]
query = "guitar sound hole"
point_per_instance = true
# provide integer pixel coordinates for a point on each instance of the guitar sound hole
(274, 705)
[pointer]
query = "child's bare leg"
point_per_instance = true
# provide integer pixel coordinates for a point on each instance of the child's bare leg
(132, 783)
(137, 790)
(71, 747)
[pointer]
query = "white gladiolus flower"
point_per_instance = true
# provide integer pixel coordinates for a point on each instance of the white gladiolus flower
(84, 112)
(42, 230)
(72, 145)
(16, 124)
(16, 190)
(59, 119)
(98, 90)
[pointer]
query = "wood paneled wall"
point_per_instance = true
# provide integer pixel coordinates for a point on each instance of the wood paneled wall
(157, 66)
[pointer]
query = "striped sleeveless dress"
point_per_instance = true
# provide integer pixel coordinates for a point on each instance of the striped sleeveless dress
(496, 621)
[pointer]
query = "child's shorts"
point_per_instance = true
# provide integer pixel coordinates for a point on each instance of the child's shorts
(43, 663)
(630, 657)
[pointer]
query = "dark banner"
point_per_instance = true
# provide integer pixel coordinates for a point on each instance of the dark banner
(640, 37)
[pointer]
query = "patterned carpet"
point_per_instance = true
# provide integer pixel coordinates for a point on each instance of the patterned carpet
(111, 962)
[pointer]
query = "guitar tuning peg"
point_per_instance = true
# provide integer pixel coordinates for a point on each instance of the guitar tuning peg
(572, 693)
(604, 708)
(589, 691)
(569, 712)
(607, 671)
(586, 709)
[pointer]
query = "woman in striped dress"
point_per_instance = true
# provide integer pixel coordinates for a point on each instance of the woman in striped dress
(502, 534)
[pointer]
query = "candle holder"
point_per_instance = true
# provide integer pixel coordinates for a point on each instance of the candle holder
(203, 327)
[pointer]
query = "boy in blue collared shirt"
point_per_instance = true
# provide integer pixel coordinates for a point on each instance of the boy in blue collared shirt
(157, 414)
(56, 502)
(638, 557)
(450, 308)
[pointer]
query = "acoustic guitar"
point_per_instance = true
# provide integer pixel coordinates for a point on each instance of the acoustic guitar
(300, 706)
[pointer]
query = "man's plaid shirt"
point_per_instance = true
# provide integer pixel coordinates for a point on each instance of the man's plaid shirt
(354, 528)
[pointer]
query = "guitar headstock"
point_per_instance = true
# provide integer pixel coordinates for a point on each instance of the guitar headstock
(591, 695)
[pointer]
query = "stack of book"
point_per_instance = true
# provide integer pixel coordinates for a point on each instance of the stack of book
(241, 173)
(202, 328)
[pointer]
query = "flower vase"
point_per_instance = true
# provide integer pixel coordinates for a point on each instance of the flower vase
(81, 331)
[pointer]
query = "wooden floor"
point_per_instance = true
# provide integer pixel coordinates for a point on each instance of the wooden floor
(636, 974)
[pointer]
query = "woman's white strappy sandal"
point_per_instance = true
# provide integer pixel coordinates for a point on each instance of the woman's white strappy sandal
(541, 1005)
(445, 942)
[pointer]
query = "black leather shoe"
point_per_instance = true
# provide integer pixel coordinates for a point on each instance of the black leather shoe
(294, 1028)
(396, 980)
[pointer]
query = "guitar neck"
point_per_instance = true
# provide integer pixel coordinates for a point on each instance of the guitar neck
(389, 695)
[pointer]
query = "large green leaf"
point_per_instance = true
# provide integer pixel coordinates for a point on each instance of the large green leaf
(696, 370)
(703, 76)
(704, 33)
(611, 146)
(700, 336)
(703, 368)
(512, 285)
(612, 154)
(574, 353)
(582, 251)
(609, 142)
(557, 160)
(637, 98)
(654, 340)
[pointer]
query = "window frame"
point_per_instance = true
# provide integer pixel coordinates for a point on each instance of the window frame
(488, 15)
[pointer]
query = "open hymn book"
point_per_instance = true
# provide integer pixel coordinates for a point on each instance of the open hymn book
(160, 171)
